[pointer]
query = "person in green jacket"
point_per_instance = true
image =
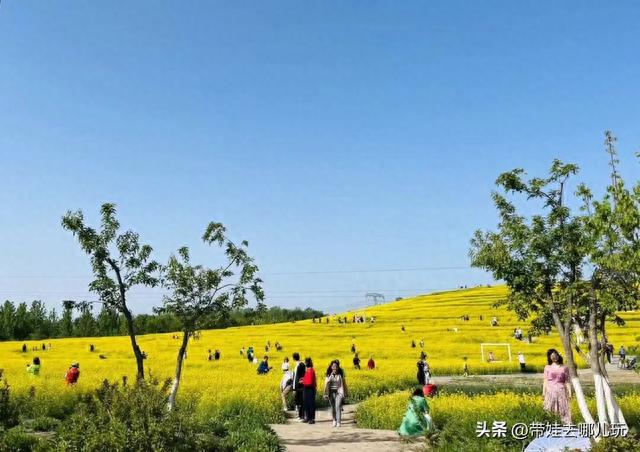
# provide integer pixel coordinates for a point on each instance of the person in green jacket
(416, 421)
(34, 368)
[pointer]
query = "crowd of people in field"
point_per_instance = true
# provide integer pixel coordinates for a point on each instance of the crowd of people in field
(300, 382)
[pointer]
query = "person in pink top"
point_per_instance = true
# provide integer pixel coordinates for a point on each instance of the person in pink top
(556, 388)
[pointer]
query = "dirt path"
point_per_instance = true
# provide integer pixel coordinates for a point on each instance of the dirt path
(300, 437)
(321, 436)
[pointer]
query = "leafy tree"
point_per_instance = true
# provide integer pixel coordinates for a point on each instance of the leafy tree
(38, 319)
(7, 318)
(540, 257)
(196, 291)
(118, 261)
(66, 322)
(612, 227)
(85, 324)
(544, 262)
(108, 321)
(21, 324)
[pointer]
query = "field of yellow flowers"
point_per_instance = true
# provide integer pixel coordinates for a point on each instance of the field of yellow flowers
(232, 381)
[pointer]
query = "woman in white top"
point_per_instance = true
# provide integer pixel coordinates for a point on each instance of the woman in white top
(335, 389)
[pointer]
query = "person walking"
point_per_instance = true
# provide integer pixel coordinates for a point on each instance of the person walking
(309, 395)
(427, 372)
(286, 387)
(420, 374)
(609, 352)
(299, 370)
(556, 388)
(356, 362)
(623, 354)
(523, 366)
(335, 390)
(371, 364)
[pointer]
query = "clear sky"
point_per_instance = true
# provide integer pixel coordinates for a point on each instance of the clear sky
(334, 136)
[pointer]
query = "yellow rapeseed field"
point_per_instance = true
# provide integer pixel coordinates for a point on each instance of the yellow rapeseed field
(435, 318)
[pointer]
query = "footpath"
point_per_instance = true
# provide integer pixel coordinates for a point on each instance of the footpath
(321, 436)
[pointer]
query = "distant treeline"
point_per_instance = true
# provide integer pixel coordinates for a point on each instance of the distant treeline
(33, 321)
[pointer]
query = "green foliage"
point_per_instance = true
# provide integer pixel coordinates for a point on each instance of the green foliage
(134, 418)
(629, 444)
(8, 412)
(18, 439)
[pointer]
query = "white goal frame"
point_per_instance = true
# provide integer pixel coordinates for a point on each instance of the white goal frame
(493, 344)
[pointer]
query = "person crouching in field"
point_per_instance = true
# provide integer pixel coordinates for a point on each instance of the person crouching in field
(264, 368)
(309, 395)
(34, 367)
(298, 373)
(72, 375)
(417, 420)
(335, 390)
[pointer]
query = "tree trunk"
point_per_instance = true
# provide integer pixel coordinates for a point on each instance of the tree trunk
(616, 415)
(136, 349)
(129, 318)
(176, 380)
(594, 362)
(565, 335)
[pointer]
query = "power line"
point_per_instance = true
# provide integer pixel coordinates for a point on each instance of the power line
(309, 272)
(380, 270)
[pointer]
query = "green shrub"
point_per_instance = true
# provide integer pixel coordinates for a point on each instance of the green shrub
(8, 412)
(18, 439)
(134, 419)
(629, 444)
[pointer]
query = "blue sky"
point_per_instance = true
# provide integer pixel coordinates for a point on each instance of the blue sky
(331, 135)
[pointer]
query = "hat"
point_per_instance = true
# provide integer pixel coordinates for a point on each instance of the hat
(76, 364)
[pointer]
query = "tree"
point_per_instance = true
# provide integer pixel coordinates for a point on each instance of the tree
(196, 291)
(66, 322)
(108, 321)
(52, 324)
(21, 324)
(612, 226)
(85, 324)
(546, 259)
(7, 319)
(118, 261)
(540, 258)
(38, 319)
